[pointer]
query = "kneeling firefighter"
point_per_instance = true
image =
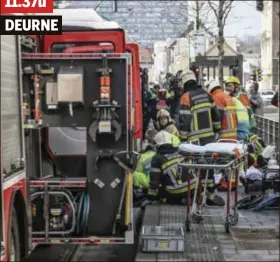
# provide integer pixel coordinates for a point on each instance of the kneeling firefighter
(166, 181)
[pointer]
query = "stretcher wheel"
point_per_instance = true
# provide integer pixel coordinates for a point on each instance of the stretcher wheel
(196, 218)
(227, 227)
(233, 219)
(188, 224)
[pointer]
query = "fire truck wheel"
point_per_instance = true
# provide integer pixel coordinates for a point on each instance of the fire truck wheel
(14, 244)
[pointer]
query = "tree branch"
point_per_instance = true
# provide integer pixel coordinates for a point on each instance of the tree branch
(214, 8)
(227, 10)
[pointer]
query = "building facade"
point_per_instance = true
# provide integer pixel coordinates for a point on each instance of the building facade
(270, 45)
(144, 21)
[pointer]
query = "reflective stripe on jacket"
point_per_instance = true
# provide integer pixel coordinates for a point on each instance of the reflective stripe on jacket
(165, 172)
(257, 143)
(227, 109)
(246, 102)
(199, 118)
(243, 125)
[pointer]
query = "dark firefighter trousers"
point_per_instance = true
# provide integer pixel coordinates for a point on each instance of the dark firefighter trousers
(174, 198)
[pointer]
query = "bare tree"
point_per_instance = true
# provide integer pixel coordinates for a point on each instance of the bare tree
(221, 10)
(200, 12)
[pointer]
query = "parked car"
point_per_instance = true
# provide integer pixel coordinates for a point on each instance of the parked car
(267, 95)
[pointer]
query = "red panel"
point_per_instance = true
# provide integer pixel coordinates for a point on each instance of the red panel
(117, 38)
(134, 50)
(8, 193)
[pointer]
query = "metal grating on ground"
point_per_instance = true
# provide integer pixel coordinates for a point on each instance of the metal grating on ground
(201, 243)
(151, 218)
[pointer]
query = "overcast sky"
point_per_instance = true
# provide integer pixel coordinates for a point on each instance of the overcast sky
(244, 19)
(247, 21)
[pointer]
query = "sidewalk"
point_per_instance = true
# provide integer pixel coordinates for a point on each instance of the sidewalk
(252, 239)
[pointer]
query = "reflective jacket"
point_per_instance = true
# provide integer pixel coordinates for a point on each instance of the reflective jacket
(227, 109)
(255, 149)
(246, 102)
(152, 100)
(141, 176)
(257, 143)
(243, 125)
(170, 128)
(199, 118)
(165, 173)
(164, 102)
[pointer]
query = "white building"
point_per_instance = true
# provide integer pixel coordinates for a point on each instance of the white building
(270, 45)
(179, 55)
(159, 61)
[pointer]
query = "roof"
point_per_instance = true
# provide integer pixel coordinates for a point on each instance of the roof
(216, 45)
(86, 17)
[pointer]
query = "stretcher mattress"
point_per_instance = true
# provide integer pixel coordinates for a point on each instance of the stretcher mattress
(222, 148)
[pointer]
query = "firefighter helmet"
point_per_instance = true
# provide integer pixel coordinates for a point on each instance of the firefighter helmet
(162, 138)
(212, 84)
(187, 76)
(233, 79)
(163, 113)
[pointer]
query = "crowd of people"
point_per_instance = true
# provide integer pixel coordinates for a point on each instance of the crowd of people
(186, 112)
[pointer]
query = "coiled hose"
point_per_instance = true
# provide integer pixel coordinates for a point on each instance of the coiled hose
(83, 213)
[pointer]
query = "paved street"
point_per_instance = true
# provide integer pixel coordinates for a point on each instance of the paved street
(272, 113)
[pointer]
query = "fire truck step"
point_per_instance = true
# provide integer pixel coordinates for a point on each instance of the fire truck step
(104, 199)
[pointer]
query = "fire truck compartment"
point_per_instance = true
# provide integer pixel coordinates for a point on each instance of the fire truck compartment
(11, 120)
(96, 180)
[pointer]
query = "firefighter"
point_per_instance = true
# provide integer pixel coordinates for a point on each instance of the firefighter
(164, 122)
(164, 98)
(169, 128)
(227, 109)
(151, 101)
(243, 123)
(233, 88)
(165, 178)
(199, 118)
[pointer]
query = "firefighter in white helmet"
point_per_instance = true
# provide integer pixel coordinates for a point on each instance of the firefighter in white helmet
(164, 175)
(166, 180)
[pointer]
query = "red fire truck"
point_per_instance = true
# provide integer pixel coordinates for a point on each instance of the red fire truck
(71, 122)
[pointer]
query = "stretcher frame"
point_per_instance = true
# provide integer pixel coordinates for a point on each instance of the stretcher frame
(208, 161)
